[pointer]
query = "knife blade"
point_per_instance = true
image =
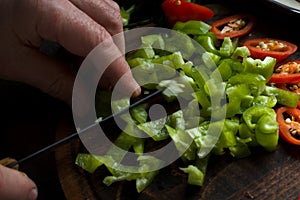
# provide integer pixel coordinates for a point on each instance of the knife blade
(140, 101)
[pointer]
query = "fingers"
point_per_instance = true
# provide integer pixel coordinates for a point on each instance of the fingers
(79, 33)
(75, 30)
(38, 70)
(106, 13)
(15, 185)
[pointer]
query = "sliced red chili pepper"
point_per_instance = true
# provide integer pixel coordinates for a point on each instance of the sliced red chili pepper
(287, 72)
(287, 77)
(289, 124)
(262, 47)
(233, 26)
(180, 10)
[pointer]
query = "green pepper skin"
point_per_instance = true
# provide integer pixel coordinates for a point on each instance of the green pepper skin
(267, 133)
(284, 97)
(236, 94)
(262, 120)
(252, 114)
(227, 48)
(193, 27)
(264, 67)
(256, 82)
(207, 43)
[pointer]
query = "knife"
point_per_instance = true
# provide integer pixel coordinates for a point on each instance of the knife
(13, 163)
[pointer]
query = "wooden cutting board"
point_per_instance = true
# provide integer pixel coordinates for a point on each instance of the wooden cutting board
(263, 175)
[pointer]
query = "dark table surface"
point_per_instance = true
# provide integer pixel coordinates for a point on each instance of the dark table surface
(29, 117)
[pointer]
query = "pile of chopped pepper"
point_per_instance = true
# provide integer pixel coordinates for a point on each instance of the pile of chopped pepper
(247, 98)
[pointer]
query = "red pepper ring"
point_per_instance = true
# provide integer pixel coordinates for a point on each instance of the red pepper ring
(263, 47)
(180, 10)
(231, 27)
(287, 72)
(289, 127)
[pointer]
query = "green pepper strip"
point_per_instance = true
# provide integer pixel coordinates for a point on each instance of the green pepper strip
(235, 96)
(240, 52)
(227, 138)
(224, 70)
(252, 115)
(262, 120)
(256, 82)
(266, 132)
(207, 43)
(284, 97)
(192, 27)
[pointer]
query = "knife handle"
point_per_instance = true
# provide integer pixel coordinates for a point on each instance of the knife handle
(10, 162)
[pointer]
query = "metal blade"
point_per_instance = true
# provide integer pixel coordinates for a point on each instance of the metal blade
(76, 134)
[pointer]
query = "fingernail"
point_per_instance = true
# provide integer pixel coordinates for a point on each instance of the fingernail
(33, 194)
(137, 92)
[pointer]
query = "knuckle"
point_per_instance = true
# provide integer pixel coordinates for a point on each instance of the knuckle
(115, 5)
(116, 22)
(58, 89)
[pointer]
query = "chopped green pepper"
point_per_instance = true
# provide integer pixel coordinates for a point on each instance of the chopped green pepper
(264, 67)
(207, 42)
(262, 120)
(267, 132)
(255, 82)
(284, 97)
(193, 27)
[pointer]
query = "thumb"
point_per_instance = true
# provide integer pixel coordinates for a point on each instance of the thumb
(15, 185)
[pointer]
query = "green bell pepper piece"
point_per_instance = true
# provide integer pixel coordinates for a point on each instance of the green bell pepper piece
(207, 42)
(155, 41)
(240, 52)
(253, 114)
(155, 129)
(255, 82)
(180, 42)
(139, 113)
(174, 60)
(195, 175)
(210, 60)
(224, 70)
(134, 62)
(269, 101)
(146, 51)
(88, 162)
(204, 101)
(227, 48)
(235, 95)
(235, 65)
(266, 132)
(183, 143)
(264, 67)
(192, 27)
(284, 97)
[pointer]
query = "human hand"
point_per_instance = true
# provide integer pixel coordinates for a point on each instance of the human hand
(15, 185)
(77, 25)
